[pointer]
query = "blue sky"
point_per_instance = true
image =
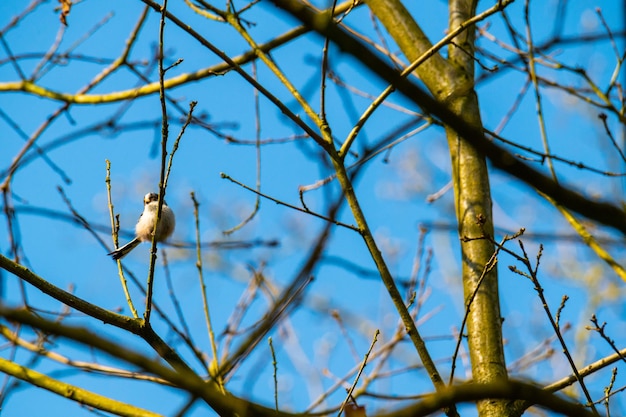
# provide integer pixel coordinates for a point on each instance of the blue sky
(392, 194)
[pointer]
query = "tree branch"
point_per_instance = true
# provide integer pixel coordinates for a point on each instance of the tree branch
(602, 212)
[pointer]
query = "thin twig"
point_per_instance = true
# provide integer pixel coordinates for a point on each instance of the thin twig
(282, 203)
(275, 367)
(115, 225)
(358, 375)
(164, 136)
(257, 119)
(214, 366)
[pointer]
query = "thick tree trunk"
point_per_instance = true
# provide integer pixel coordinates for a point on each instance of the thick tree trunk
(452, 82)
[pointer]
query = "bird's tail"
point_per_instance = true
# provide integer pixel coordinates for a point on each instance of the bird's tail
(119, 253)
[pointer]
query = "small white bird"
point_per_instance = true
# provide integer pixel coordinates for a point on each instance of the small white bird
(145, 225)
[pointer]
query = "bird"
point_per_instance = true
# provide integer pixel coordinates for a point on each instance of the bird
(145, 225)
